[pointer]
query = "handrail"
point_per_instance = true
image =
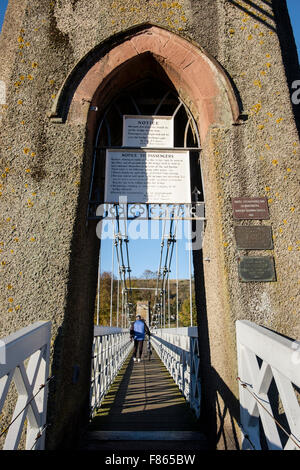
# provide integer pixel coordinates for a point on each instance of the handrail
(108, 330)
(111, 347)
(33, 344)
(178, 348)
(266, 358)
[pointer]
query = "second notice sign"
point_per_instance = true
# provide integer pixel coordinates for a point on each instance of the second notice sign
(148, 176)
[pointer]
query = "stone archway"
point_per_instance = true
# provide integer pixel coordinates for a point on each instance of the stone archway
(207, 91)
(199, 79)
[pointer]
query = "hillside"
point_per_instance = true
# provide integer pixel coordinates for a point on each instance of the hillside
(136, 295)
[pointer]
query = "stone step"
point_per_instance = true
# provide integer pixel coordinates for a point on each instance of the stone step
(172, 441)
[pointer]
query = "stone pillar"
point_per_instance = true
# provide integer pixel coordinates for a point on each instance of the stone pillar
(48, 256)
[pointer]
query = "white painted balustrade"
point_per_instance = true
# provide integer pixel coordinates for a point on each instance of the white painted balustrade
(178, 349)
(31, 344)
(111, 347)
(265, 360)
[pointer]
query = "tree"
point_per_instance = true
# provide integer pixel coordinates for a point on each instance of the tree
(148, 279)
(184, 314)
(105, 293)
(148, 274)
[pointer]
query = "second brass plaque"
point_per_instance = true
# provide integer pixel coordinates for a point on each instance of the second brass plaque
(253, 238)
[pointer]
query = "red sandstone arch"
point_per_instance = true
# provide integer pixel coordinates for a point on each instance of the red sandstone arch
(198, 78)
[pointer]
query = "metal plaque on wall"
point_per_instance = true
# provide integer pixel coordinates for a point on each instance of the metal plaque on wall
(253, 238)
(257, 269)
(250, 208)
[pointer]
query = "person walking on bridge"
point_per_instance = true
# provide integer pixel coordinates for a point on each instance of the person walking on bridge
(138, 330)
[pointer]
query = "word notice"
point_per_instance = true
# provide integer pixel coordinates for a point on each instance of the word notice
(148, 131)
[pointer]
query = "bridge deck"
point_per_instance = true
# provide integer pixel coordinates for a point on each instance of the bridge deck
(144, 404)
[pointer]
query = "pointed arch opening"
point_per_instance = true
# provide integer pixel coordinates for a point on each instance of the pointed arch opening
(157, 59)
(147, 96)
(199, 79)
(149, 55)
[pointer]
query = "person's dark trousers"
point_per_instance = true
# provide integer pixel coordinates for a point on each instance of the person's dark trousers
(138, 348)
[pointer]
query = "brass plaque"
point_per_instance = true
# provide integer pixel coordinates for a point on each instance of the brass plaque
(253, 238)
(254, 208)
(257, 269)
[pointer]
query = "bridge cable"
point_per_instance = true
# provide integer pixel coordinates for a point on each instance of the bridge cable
(159, 273)
(173, 241)
(112, 277)
(291, 436)
(39, 434)
(4, 431)
(163, 281)
(161, 255)
(123, 268)
(165, 270)
(120, 245)
(190, 273)
(126, 241)
(121, 277)
(121, 271)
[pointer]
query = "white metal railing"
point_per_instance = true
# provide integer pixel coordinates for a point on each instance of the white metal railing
(111, 347)
(178, 349)
(31, 344)
(266, 358)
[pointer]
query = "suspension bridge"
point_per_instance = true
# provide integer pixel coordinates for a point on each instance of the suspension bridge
(155, 404)
(161, 308)
(144, 402)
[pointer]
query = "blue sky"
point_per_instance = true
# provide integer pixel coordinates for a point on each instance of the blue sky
(3, 5)
(145, 255)
(294, 11)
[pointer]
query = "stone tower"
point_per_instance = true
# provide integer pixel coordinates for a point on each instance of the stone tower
(233, 63)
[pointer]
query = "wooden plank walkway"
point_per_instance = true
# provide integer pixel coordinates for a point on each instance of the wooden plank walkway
(144, 404)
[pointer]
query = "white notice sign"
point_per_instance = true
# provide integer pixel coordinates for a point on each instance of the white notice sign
(148, 131)
(149, 176)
